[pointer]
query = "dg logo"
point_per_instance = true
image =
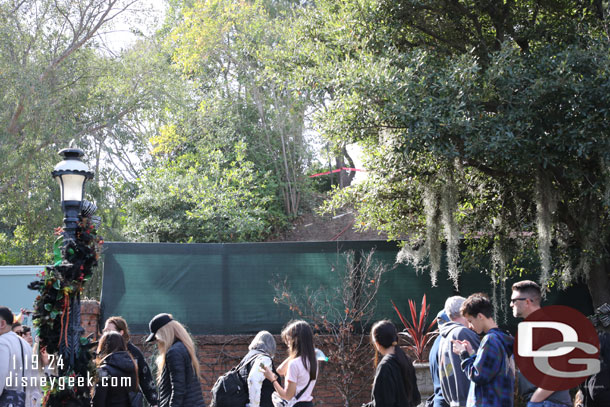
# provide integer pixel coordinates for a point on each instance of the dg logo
(557, 348)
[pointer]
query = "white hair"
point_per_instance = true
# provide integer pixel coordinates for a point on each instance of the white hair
(453, 305)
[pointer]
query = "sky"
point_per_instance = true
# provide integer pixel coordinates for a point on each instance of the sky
(144, 16)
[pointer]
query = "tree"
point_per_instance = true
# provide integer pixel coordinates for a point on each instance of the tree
(226, 47)
(202, 197)
(483, 121)
(46, 50)
(59, 87)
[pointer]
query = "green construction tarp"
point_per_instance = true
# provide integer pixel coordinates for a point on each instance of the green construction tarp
(228, 288)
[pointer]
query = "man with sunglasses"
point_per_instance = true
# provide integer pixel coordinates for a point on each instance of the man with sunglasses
(524, 300)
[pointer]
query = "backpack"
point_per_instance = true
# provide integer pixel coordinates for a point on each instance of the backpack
(231, 390)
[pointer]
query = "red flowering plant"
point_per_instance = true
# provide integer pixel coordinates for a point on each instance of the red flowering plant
(417, 333)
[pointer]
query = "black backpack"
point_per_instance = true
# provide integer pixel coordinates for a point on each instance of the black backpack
(231, 390)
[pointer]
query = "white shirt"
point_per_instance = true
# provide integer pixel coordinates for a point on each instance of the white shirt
(299, 374)
(12, 365)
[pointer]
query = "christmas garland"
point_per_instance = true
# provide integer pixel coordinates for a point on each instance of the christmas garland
(60, 287)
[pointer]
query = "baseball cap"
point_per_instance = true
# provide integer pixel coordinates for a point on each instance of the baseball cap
(158, 322)
(442, 317)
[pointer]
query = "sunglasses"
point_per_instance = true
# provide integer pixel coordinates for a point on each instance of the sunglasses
(514, 300)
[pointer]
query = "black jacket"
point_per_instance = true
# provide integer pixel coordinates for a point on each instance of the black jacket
(179, 385)
(596, 388)
(388, 387)
(117, 377)
(145, 379)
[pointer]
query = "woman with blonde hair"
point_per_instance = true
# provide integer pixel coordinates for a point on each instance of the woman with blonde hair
(177, 364)
(300, 368)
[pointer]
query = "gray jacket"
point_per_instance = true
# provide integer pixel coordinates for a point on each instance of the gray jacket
(454, 382)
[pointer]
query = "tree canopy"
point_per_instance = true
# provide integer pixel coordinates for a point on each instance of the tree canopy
(481, 120)
(483, 124)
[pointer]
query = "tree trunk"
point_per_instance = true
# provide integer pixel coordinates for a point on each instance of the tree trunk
(351, 164)
(339, 164)
(599, 283)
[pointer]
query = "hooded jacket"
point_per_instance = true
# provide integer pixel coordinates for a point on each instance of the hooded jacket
(437, 398)
(453, 381)
(117, 378)
(491, 371)
(259, 388)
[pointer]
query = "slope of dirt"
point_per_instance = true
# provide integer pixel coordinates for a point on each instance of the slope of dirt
(314, 227)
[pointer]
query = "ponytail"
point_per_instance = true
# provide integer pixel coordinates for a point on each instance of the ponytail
(385, 334)
(407, 370)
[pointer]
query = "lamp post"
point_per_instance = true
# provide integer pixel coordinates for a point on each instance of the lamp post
(71, 174)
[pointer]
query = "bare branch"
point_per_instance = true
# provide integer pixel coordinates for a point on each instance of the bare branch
(341, 315)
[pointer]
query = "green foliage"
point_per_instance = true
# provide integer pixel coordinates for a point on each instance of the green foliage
(59, 87)
(59, 288)
(322, 183)
(229, 49)
(480, 120)
(203, 197)
(483, 118)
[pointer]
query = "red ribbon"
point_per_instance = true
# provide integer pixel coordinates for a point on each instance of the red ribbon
(337, 170)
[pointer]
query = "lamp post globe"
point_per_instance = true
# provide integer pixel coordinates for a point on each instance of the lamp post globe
(71, 175)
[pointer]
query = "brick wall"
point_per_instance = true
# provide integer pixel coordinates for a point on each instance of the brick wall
(89, 316)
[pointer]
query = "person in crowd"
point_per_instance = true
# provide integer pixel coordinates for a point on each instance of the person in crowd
(454, 382)
(15, 354)
(525, 299)
(395, 383)
(145, 378)
(595, 390)
(116, 371)
(260, 356)
(177, 364)
(491, 368)
(300, 368)
(27, 335)
(17, 328)
(437, 399)
(43, 369)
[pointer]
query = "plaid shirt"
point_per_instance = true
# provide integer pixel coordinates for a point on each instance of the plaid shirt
(491, 371)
